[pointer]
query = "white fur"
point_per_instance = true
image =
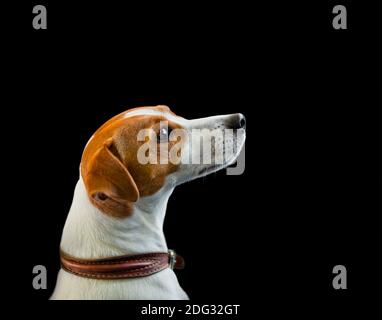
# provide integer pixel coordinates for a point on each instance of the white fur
(88, 233)
(152, 112)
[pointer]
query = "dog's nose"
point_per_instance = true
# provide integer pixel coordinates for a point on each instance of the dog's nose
(237, 121)
(242, 122)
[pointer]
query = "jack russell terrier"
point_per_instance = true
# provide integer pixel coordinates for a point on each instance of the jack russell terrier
(113, 246)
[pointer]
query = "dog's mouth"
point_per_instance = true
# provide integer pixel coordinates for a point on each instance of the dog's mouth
(209, 169)
(216, 167)
(232, 158)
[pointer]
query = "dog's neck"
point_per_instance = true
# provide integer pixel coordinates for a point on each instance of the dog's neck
(89, 233)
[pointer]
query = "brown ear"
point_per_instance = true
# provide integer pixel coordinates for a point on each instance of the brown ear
(107, 178)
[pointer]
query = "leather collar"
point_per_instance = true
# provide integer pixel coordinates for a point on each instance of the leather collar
(122, 267)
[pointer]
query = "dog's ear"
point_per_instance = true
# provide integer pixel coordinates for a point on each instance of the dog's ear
(107, 178)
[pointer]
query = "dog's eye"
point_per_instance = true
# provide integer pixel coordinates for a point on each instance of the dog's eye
(163, 135)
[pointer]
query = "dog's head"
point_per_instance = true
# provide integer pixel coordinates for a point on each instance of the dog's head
(144, 150)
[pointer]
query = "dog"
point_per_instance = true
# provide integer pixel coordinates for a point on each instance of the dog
(113, 246)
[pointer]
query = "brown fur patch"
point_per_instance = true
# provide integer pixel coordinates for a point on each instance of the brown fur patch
(113, 177)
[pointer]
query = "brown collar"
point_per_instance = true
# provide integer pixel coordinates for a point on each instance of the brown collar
(122, 267)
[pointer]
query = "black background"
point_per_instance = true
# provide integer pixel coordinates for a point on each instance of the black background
(310, 195)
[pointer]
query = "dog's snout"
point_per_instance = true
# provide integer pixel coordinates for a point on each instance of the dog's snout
(237, 121)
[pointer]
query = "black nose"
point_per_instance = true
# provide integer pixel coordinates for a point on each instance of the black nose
(238, 122)
(242, 122)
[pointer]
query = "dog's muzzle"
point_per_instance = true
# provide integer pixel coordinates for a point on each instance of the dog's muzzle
(122, 267)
